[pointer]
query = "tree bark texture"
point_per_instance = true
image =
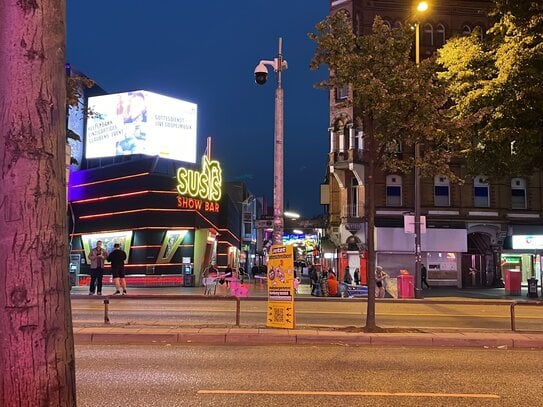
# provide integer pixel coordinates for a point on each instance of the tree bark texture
(36, 338)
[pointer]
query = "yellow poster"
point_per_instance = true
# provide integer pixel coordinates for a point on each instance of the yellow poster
(280, 312)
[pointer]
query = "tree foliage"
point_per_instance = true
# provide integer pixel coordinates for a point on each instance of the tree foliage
(495, 86)
(404, 101)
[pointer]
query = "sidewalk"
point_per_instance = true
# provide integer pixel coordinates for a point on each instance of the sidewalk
(327, 335)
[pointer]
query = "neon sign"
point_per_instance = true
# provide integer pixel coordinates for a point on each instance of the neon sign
(200, 185)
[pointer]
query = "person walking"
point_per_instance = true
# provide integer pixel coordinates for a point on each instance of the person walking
(424, 275)
(97, 257)
(380, 281)
(117, 258)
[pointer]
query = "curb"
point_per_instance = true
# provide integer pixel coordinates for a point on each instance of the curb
(257, 337)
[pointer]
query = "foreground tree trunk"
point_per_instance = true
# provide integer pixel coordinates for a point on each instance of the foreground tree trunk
(36, 339)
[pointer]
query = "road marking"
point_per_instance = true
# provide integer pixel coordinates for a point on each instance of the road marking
(349, 393)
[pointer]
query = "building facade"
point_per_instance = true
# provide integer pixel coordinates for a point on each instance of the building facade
(470, 230)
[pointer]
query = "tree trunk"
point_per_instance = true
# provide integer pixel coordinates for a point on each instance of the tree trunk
(370, 217)
(36, 338)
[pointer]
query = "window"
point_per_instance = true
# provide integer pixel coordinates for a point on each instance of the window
(394, 190)
(466, 30)
(342, 93)
(428, 35)
(398, 25)
(441, 191)
(387, 23)
(440, 35)
(353, 207)
(480, 192)
(518, 193)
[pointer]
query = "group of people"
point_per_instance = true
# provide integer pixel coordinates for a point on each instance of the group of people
(326, 283)
(98, 256)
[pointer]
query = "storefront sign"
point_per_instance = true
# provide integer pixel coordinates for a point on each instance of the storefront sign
(200, 190)
(527, 242)
(280, 312)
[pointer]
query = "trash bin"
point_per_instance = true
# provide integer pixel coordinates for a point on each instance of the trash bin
(512, 282)
(406, 286)
(532, 288)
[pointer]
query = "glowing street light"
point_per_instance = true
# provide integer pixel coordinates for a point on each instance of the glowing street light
(422, 7)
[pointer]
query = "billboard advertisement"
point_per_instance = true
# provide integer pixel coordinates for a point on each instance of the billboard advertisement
(141, 122)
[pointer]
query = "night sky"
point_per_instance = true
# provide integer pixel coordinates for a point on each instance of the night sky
(205, 52)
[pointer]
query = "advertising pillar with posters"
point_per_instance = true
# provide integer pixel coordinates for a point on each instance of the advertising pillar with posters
(280, 312)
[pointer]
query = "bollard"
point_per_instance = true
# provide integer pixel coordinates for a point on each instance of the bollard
(106, 311)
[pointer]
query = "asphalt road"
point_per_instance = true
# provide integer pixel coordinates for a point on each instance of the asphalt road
(318, 313)
(159, 375)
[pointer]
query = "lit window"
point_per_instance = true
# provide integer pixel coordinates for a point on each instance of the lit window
(394, 190)
(442, 191)
(518, 193)
(480, 192)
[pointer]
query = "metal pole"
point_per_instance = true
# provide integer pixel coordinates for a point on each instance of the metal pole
(278, 155)
(418, 282)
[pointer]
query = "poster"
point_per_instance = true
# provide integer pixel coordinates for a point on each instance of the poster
(280, 309)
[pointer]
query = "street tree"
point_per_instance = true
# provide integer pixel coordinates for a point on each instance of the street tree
(494, 81)
(36, 339)
(395, 102)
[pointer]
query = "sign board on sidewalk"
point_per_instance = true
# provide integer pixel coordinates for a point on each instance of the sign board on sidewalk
(280, 309)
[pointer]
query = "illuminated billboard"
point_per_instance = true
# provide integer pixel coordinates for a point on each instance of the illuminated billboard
(141, 122)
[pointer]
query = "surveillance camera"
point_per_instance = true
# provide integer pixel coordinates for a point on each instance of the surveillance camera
(261, 74)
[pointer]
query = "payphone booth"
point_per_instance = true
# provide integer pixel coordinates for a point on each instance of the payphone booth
(188, 275)
(74, 268)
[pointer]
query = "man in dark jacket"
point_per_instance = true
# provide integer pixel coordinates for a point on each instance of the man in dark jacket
(117, 258)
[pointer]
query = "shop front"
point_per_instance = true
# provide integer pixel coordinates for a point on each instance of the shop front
(169, 217)
(441, 251)
(523, 255)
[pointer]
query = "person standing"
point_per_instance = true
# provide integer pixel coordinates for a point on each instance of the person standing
(117, 258)
(380, 277)
(424, 275)
(357, 276)
(97, 257)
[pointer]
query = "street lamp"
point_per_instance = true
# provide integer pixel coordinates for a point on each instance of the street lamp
(261, 76)
(421, 7)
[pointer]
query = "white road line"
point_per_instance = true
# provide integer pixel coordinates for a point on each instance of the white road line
(348, 393)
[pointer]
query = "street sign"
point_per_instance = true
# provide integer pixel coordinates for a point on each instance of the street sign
(409, 224)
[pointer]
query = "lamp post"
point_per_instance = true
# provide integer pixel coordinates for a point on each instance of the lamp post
(421, 7)
(261, 75)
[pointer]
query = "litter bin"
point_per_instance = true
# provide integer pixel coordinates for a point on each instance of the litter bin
(512, 282)
(532, 288)
(188, 280)
(406, 287)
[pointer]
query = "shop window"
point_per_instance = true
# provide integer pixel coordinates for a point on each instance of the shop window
(518, 193)
(394, 190)
(442, 191)
(481, 192)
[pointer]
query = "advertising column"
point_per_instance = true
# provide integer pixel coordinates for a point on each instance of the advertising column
(280, 313)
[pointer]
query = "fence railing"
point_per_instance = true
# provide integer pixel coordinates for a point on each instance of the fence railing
(511, 304)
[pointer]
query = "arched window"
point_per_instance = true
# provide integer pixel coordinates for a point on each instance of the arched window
(442, 193)
(428, 35)
(353, 207)
(466, 30)
(394, 190)
(387, 23)
(440, 35)
(518, 193)
(398, 25)
(481, 192)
